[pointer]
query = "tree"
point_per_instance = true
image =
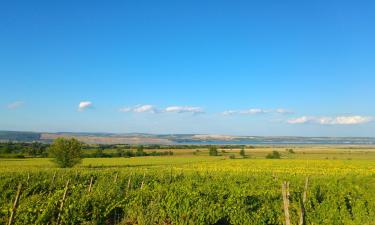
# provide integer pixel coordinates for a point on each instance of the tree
(99, 153)
(274, 155)
(8, 147)
(213, 151)
(67, 152)
(140, 151)
(140, 148)
(242, 152)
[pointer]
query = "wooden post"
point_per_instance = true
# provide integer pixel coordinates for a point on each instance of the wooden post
(304, 197)
(28, 178)
(15, 204)
(143, 181)
(285, 192)
(62, 202)
(90, 186)
(116, 176)
(129, 182)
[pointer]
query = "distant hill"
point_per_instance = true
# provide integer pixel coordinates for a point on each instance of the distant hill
(169, 139)
(19, 136)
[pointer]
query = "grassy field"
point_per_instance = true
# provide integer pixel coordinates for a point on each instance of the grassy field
(194, 188)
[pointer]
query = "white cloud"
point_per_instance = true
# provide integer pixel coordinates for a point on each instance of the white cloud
(339, 120)
(283, 111)
(170, 109)
(84, 105)
(15, 105)
(255, 111)
(303, 119)
(140, 109)
(184, 109)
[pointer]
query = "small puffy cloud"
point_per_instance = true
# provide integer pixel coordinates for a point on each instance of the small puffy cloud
(170, 109)
(339, 120)
(184, 109)
(346, 120)
(299, 120)
(84, 105)
(140, 109)
(15, 105)
(255, 111)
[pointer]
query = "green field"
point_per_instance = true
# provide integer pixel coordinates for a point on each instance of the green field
(194, 189)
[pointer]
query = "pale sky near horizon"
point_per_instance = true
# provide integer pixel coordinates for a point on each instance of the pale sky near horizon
(301, 68)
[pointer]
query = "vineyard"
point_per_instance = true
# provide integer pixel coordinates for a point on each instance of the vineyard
(183, 190)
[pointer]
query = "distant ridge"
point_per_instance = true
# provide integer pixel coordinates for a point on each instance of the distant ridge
(169, 139)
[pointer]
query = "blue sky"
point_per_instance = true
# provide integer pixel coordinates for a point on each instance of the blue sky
(270, 67)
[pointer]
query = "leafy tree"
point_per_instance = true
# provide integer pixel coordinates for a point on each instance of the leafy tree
(8, 147)
(99, 153)
(213, 151)
(273, 155)
(242, 152)
(140, 148)
(120, 152)
(66, 152)
(140, 151)
(35, 149)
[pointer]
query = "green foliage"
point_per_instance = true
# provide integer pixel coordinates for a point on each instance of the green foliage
(164, 196)
(33, 149)
(273, 155)
(291, 151)
(66, 152)
(242, 152)
(212, 151)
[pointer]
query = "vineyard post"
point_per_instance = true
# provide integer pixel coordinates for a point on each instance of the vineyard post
(15, 204)
(62, 202)
(285, 193)
(129, 182)
(116, 178)
(28, 178)
(304, 197)
(90, 186)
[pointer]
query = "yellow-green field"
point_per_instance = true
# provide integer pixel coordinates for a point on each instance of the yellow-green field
(191, 187)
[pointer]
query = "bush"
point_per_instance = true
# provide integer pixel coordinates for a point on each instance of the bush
(67, 152)
(273, 155)
(291, 151)
(213, 151)
(242, 152)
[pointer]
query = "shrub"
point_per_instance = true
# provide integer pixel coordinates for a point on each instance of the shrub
(273, 155)
(213, 151)
(242, 152)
